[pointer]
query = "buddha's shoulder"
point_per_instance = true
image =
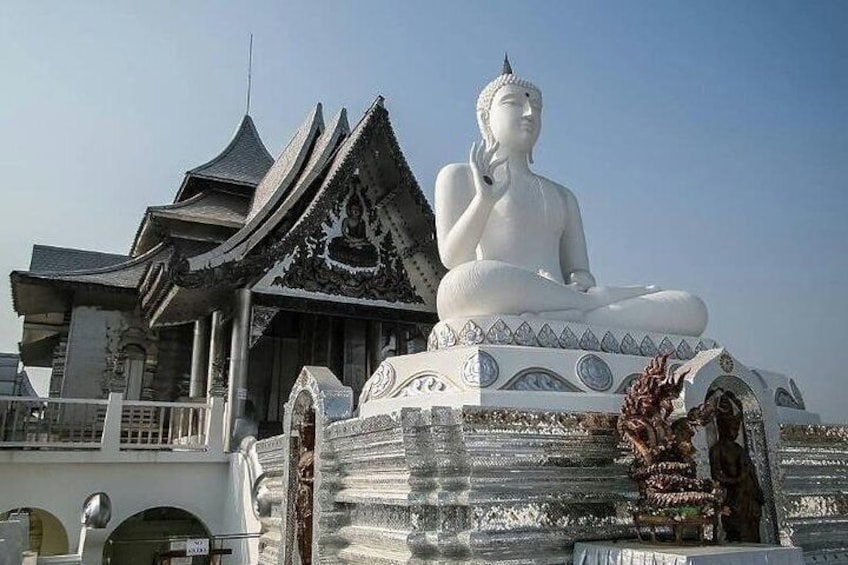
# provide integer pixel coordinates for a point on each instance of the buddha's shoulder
(553, 185)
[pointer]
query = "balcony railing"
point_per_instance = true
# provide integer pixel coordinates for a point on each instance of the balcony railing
(157, 425)
(52, 422)
(70, 423)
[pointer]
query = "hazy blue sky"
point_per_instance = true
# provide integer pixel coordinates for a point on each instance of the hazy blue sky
(707, 142)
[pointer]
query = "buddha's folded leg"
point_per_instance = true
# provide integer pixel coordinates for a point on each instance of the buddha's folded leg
(668, 311)
(605, 295)
(485, 288)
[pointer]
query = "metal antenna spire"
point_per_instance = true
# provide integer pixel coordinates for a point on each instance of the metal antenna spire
(249, 69)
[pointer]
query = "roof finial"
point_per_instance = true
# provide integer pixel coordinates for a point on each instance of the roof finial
(249, 69)
(507, 68)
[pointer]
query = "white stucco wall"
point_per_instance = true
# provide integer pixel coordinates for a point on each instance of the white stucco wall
(214, 490)
(238, 515)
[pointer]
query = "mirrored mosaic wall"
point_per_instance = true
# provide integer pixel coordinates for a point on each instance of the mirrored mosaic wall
(473, 484)
(814, 465)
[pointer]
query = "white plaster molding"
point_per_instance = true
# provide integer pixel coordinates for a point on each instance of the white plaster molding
(540, 332)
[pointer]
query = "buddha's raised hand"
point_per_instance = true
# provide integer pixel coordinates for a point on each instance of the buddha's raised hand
(484, 167)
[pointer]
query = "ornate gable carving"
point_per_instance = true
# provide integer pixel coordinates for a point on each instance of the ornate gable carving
(299, 252)
(350, 253)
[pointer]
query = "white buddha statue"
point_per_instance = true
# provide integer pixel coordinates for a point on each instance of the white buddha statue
(513, 240)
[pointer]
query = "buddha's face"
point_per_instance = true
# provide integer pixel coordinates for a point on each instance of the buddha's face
(515, 117)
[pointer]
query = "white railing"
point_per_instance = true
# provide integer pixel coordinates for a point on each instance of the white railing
(113, 424)
(52, 422)
(158, 425)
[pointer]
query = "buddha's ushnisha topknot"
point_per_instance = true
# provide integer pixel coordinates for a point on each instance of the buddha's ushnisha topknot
(507, 68)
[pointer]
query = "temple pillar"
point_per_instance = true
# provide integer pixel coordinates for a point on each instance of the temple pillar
(216, 351)
(239, 356)
(374, 335)
(199, 358)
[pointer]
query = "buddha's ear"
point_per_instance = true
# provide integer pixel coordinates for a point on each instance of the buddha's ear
(483, 123)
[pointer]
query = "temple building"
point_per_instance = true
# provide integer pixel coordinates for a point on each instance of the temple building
(324, 256)
(168, 362)
(14, 382)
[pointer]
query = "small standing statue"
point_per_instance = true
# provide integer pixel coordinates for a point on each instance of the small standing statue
(305, 479)
(670, 494)
(731, 466)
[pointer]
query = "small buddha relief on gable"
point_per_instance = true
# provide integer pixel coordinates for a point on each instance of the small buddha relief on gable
(350, 253)
(352, 246)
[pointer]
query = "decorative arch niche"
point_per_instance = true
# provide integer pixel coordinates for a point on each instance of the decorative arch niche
(753, 437)
(316, 392)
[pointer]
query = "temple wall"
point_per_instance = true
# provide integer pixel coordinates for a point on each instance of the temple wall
(61, 488)
(477, 484)
(87, 363)
(98, 338)
(173, 370)
(814, 466)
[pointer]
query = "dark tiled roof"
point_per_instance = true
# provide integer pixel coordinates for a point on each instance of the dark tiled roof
(299, 205)
(122, 277)
(325, 147)
(124, 274)
(244, 161)
(280, 178)
(214, 207)
(46, 258)
(289, 163)
(286, 196)
(331, 149)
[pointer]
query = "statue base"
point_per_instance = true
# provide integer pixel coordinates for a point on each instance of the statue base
(423, 475)
(476, 485)
(535, 364)
(628, 553)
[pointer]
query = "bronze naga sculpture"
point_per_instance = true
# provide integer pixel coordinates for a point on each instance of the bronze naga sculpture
(671, 497)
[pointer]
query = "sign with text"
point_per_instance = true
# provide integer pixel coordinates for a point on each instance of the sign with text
(199, 546)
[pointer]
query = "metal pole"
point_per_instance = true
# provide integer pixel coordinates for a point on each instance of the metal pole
(216, 347)
(239, 356)
(199, 358)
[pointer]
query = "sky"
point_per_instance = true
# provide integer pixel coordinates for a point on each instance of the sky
(707, 142)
